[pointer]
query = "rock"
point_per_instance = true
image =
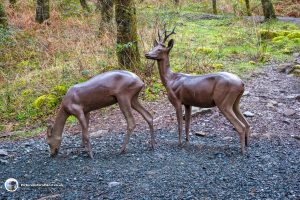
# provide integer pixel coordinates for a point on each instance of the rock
(113, 184)
(197, 111)
(272, 102)
(246, 93)
(286, 121)
(248, 114)
(3, 152)
(296, 72)
(269, 105)
(227, 138)
(98, 133)
(3, 161)
(285, 68)
(289, 112)
(296, 137)
(200, 134)
(296, 55)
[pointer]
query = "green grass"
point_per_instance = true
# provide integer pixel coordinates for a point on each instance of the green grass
(226, 43)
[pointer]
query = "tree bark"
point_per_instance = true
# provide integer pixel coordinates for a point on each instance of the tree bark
(248, 7)
(127, 38)
(13, 3)
(268, 9)
(42, 11)
(214, 4)
(3, 18)
(106, 8)
(84, 5)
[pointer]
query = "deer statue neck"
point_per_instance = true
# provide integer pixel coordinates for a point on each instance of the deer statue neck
(59, 123)
(164, 71)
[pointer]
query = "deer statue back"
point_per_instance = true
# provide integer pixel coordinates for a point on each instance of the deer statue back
(222, 89)
(103, 90)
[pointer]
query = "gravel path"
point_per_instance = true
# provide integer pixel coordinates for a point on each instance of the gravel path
(211, 167)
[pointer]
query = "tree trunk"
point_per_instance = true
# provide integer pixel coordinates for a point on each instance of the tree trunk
(268, 9)
(127, 38)
(176, 2)
(214, 4)
(3, 18)
(106, 8)
(84, 5)
(248, 7)
(42, 11)
(12, 3)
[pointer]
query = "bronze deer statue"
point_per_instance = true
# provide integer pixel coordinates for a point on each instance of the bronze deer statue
(223, 90)
(103, 90)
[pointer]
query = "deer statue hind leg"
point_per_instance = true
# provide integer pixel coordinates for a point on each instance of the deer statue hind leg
(236, 110)
(125, 106)
(146, 115)
(226, 107)
(187, 122)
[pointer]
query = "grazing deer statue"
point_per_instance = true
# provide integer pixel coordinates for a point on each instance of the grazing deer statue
(223, 90)
(105, 89)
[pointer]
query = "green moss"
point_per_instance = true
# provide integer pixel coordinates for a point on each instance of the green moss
(251, 62)
(278, 39)
(26, 92)
(72, 119)
(48, 101)
(205, 50)
(60, 90)
(267, 34)
(294, 35)
(218, 66)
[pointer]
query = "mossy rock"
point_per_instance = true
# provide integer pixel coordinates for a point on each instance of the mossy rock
(60, 90)
(294, 35)
(266, 34)
(296, 40)
(251, 62)
(205, 50)
(45, 101)
(218, 66)
(278, 39)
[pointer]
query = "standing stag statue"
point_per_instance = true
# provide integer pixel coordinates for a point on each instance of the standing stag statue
(222, 89)
(103, 90)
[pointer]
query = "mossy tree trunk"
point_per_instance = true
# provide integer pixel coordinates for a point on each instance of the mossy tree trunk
(127, 38)
(106, 8)
(248, 7)
(268, 9)
(3, 18)
(42, 11)
(84, 5)
(214, 5)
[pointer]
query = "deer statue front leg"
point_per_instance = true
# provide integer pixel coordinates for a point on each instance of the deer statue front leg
(177, 104)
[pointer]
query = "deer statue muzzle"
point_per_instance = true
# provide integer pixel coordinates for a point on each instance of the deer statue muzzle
(222, 89)
(103, 90)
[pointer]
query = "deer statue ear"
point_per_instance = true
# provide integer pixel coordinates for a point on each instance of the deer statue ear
(155, 43)
(170, 44)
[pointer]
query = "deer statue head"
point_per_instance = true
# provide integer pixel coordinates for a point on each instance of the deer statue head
(53, 140)
(160, 50)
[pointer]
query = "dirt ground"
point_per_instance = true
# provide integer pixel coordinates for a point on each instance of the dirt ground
(211, 167)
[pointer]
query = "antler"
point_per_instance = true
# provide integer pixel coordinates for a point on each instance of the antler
(166, 36)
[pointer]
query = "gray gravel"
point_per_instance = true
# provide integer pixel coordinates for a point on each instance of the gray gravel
(211, 167)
